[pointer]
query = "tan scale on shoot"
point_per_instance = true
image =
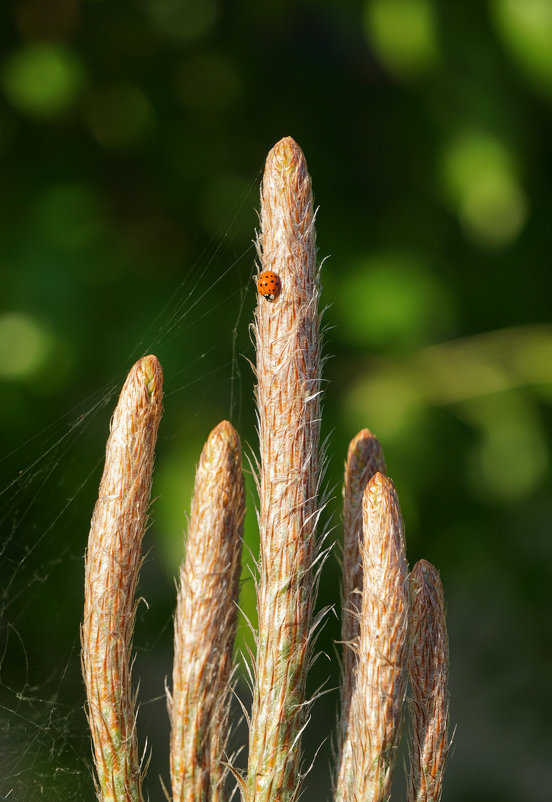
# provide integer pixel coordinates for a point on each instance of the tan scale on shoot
(205, 622)
(112, 566)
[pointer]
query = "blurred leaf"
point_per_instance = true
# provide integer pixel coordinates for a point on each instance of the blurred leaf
(388, 400)
(391, 300)
(183, 19)
(510, 459)
(480, 177)
(69, 216)
(119, 115)
(25, 346)
(43, 79)
(526, 29)
(403, 34)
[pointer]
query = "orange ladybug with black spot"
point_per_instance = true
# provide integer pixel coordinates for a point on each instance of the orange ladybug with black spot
(269, 285)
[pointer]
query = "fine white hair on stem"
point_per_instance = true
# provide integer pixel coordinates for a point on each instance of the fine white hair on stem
(205, 623)
(364, 459)
(111, 575)
(379, 690)
(428, 673)
(287, 334)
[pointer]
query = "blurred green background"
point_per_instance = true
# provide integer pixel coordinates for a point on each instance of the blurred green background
(132, 142)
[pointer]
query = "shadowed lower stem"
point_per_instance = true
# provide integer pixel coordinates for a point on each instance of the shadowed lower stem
(111, 575)
(428, 670)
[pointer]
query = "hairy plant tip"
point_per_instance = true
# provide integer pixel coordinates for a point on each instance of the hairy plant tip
(205, 622)
(364, 459)
(287, 333)
(428, 671)
(112, 567)
(379, 690)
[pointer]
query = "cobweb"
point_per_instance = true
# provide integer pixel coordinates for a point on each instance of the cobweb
(46, 498)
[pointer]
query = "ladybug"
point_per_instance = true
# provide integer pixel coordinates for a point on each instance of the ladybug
(269, 285)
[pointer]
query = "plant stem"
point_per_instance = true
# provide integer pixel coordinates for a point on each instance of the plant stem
(364, 459)
(379, 691)
(111, 575)
(428, 669)
(287, 335)
(205, 622)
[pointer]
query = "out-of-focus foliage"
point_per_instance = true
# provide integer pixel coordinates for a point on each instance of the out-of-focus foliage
(132, 140)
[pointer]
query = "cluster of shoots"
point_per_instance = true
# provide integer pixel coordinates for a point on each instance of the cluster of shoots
(394, 640)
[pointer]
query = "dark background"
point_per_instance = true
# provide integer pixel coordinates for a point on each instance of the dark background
(132, 142)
